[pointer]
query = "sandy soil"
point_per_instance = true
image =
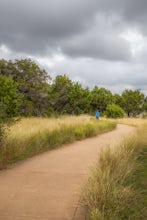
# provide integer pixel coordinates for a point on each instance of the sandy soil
(47, 186)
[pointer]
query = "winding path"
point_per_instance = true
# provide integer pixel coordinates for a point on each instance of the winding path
(46, 187)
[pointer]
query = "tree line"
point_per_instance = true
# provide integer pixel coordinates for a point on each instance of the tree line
(28, 90)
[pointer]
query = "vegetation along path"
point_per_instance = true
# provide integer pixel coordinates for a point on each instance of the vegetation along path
(47, 186)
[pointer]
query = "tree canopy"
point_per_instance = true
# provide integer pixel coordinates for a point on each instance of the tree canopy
(101, 97)
(43, 96)
(132, 102)
(31, 81)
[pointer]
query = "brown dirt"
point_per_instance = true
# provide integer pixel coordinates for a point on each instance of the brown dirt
(47, 186)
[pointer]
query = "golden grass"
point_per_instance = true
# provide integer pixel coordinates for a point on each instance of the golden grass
(31, 136)
(28, 127)
(31, 126)
(137, 122)
(106, 193)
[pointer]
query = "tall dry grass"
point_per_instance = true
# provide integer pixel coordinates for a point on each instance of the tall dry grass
(107, 195)
(35, 135)
(30, 126)
(137, 122)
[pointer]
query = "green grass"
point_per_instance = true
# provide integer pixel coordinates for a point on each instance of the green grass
(117, 186)
(16, 148)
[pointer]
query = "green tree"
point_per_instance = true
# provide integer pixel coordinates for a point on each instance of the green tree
(101, 97)
(9, 102)
(31, 81)
(133, 102)
(145, 104)
(59, 94)
(9, 98)
(79, 99)
(118, 100)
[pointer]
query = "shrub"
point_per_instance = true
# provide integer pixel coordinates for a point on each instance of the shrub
(114, 111)
(9, 104)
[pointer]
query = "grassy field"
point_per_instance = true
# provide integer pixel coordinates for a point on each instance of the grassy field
(32, 136)
(137, 122)
(117, 186)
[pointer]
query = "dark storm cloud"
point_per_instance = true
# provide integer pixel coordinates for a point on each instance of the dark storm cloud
(133, 12)
(97, 42)
(38, 26)
(85, 38)
(136, 11)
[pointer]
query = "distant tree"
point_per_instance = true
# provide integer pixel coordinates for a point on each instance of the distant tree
(118, 100)
(31, 81)
(6, 68)
(79, 99)
(145, 104)
(59, 94)
(101, 97)
(133, 102)
(62, 96)
(67, 97)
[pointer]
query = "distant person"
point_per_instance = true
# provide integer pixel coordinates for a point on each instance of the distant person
(97, 114)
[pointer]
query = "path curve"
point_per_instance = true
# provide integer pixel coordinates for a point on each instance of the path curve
(46, 187)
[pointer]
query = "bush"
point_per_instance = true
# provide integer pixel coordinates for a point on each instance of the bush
(9, 104)
(114, 111)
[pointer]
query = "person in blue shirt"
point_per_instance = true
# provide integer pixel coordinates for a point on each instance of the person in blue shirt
(97, 114)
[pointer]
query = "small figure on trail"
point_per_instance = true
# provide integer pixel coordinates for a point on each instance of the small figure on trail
(97, 114)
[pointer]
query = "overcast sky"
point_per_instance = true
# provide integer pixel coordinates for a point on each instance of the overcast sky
(94, 42)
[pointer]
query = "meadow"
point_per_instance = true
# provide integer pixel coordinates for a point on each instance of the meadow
(116, 188)
(31, 136)
(137, 122)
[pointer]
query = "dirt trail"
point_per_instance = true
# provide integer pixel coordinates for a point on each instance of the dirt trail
(46, 187)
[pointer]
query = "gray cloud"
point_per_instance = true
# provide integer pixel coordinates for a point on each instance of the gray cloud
(40, 24)
(102, 40)
(36, 26)
(82, 38)
(103, 73)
